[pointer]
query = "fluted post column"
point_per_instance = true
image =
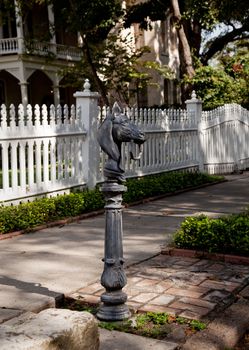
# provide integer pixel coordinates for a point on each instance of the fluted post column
(113, 278)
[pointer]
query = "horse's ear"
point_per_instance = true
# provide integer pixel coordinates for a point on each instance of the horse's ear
(106, 141)
(116, 109)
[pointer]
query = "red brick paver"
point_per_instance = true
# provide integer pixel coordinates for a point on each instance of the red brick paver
(184, 286)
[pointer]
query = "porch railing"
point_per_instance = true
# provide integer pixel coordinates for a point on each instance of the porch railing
(12, 46)
(8, 46)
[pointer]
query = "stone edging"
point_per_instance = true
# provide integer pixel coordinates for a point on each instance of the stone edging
(224, 332)
(188, 253)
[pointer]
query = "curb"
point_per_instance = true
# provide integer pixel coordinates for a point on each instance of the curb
(69, 220)
(188, 253)
(224, 332)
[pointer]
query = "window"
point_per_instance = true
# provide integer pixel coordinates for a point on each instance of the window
(8, 23)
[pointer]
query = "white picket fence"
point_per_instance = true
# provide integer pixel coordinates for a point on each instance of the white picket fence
(39, 151)
(171, 142)
(44, 152)
(224, 139)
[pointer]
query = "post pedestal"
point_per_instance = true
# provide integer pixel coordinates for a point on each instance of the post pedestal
(113, 278)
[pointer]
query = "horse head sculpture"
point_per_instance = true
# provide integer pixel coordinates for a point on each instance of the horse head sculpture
(115, 129)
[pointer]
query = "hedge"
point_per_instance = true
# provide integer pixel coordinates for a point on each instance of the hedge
(228, 234)
(28, 215)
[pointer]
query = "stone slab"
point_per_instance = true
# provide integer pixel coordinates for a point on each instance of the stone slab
(27, 297)
(51, 329)
(113, 340)
(7, 314)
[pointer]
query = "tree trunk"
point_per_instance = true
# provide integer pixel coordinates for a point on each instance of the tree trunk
(187, 65)
(96, 79)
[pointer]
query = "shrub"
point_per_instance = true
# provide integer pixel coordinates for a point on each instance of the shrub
(229, 234)
(69, 205)
(154, 185)
(28, 215)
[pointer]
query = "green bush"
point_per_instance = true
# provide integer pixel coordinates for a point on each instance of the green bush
(229, 234)
(28, 215)
(69, 205)
(154, 185)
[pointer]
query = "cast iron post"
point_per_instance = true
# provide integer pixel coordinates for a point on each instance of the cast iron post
(113, 277)
(115, 129)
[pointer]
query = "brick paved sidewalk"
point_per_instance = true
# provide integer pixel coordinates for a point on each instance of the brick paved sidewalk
(189, 287)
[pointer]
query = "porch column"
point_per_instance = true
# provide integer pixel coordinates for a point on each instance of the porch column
(19, 29)
(24, 92)
(56, 91)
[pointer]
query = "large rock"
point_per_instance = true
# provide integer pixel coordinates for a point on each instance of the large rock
(51, 329)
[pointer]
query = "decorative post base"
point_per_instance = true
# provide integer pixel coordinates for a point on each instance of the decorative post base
(113, 307)
(113, 277)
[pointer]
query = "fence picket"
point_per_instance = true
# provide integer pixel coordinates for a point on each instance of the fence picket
(22, 165)
(38, 168)
(30, 164)
(5, 165)
(14, 170)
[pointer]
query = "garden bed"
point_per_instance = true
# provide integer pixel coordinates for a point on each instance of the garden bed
(215, 238)
(156, 325)
(229, 258)
(47, 212)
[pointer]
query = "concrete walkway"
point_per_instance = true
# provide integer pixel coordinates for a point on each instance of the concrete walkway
(37, 268)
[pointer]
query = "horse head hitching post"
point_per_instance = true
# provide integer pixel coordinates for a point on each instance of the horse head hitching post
(115, 129)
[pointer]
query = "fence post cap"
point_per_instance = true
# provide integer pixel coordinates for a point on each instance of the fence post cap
(193, 99)
(86, 86)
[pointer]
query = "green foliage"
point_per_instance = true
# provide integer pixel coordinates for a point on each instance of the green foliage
(69, 205)
(146, 12)
(120, 65)
(28, 215)
(215, 87)
(197, 325)
(155, 185)
(228, 234)
(105, 64)
(153, 324)
(157, 318)
(235, 60)
(194, 324)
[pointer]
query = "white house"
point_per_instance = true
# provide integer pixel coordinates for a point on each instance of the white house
(31, 58)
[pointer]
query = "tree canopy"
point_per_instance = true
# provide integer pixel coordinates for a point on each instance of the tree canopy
(205, 30)
(198, 19)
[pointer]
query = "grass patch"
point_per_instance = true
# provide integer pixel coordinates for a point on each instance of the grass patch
(157, 325)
